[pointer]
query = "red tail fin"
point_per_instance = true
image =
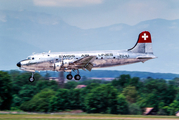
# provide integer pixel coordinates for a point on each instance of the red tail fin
(144, 37)
(144, 44)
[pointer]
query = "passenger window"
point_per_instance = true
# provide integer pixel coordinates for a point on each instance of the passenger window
(33, 58)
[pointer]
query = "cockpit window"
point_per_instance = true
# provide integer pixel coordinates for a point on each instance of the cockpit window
(29, 58)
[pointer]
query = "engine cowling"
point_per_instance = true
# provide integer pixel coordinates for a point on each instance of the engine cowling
(57, 66)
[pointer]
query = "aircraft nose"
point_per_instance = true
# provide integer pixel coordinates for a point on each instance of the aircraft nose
(18, 64)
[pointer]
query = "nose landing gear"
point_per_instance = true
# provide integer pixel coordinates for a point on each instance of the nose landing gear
(32, 79)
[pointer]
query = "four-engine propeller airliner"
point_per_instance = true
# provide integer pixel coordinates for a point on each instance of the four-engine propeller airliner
(73, 61)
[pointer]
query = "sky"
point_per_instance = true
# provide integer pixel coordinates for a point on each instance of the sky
(88, 14)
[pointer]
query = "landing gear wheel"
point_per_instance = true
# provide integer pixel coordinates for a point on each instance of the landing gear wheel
(31, 79)
(77, 77)
(69, 76)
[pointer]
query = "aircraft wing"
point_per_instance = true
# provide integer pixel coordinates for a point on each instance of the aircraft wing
(85, 63)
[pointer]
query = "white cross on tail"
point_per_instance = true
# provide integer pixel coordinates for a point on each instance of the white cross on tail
(145, 36)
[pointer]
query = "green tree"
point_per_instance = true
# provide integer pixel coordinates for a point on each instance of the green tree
(102, 99)
(5, 91)
(124, 80)
(121, 82)
(23, 90)
(177, 97)
(154, 92)
(42, 84)
(174, 82)
(74, 99)
(16, 101)
(1, 101)
(71, 85)
(134, 81)
(39, 102)
(14, 74)
(116, 84)
(88, 82)
(172, 108)
(60, 101)
(27, 92)
(161, 110)
(130, 93)
(23, 79)
(134, 109)
(91, 86)
(84, 92)
(122, 105)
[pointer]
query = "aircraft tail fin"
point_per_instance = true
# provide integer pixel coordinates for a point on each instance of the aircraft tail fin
(144, 44)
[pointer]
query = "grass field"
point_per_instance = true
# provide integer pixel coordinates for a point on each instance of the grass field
(82, 117)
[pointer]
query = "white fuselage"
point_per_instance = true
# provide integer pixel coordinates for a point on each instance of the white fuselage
(71, 61)
(65, 61)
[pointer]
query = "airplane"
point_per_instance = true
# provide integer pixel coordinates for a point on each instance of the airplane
(87, 60)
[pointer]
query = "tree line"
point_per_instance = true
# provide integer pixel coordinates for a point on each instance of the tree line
(123, 95)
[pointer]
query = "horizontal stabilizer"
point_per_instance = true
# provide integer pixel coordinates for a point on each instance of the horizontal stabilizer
(146, 57)
(149, 56)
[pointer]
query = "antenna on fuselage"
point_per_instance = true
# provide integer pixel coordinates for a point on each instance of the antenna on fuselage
(49, 51)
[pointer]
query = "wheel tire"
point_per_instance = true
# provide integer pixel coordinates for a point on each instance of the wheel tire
(31, 79)
(69, 77)
(77, 77)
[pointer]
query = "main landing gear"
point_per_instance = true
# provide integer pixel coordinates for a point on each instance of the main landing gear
(76, 77)
(69, 76)
(32, 79)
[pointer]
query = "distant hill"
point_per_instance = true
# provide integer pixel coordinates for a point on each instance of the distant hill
(115, 73)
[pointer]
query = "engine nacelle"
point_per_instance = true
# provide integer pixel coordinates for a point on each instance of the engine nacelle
(66, 63)
(57, 66)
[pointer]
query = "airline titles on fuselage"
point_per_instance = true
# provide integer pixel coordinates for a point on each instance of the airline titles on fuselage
(123, 56)
(99, 55)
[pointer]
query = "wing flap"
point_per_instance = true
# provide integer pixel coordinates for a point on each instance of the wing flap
(85, 63)
(89, 67)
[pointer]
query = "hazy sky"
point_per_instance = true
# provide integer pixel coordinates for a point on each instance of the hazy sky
(97, 13)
